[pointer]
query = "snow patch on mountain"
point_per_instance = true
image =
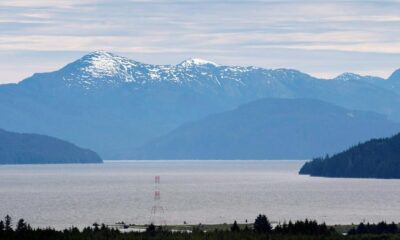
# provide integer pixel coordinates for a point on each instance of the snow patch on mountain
(348, 76)
(101, 64)
(196, 62)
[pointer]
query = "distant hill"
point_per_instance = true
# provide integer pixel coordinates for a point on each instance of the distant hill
(270, 129)
(113, 104)
(377, 158)
(17, 148)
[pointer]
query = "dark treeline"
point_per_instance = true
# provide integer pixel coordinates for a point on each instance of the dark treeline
(377, 158)
(261, 230)
(307, 227)
(380, 228)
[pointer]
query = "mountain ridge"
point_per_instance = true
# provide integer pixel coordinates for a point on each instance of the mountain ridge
(27, 148)
(107, 62)
(102, 63)
(102, 66)
(270, 129)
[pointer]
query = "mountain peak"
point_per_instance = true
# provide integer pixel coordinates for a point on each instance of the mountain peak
(100, 53)
(99, 68)
(348, 76)
(99, 56)
(196, 62)
(104, 64)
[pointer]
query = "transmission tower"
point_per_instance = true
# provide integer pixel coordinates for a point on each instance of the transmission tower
(157, 211)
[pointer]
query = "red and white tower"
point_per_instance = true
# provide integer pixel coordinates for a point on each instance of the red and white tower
(157, 211)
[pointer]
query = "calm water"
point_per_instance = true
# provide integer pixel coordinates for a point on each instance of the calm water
(191, 191)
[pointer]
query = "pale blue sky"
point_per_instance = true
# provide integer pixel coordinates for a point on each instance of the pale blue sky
(323, 38)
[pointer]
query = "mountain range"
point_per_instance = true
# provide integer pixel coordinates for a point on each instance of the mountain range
(113, 105)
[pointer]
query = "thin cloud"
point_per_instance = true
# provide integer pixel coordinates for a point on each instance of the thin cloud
(160, 30)
(44, 3)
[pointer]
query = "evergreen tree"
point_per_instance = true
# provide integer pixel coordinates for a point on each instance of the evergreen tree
(103, 227)
(262, 224)
(235, 227)
(1, 226)
(361, 229)
(96, 226)
(21, 226)
(8, 224)
(151, 228)
(392, 228)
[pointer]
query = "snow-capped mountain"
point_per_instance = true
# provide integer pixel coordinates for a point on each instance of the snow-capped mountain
(356, 77)
(112, 104)
(102, 69)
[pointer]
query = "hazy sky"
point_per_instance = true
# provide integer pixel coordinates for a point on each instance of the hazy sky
(323, 38)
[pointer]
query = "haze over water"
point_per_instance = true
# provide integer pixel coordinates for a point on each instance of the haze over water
(192, 191)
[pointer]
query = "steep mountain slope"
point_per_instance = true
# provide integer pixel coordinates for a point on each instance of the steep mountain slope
(270, 129)
(17, 148)
(377, 158)
(395, 76)
(113, 104)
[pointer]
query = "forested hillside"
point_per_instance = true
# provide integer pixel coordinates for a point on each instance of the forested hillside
(377, 158)
(17, 148)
